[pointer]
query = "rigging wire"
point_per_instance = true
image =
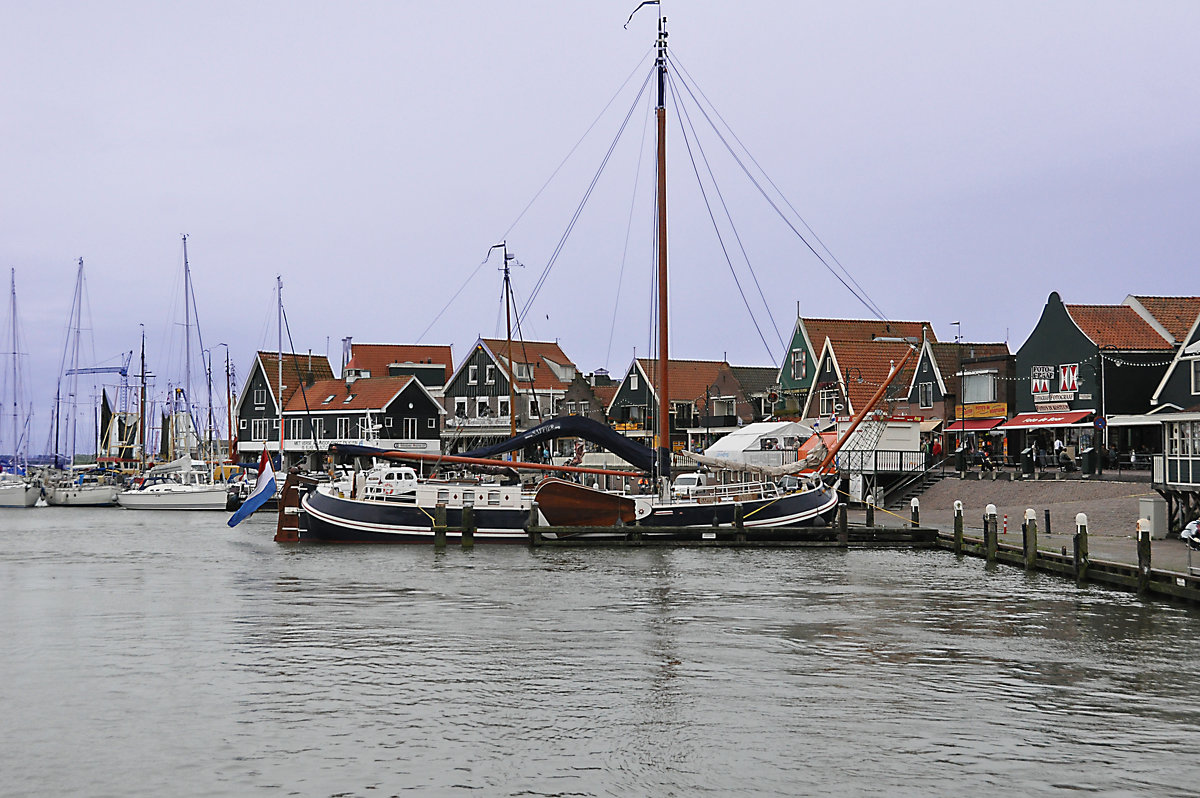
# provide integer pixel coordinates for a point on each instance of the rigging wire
(534, 199)
(708, 206)
(583, 202)
(637, 174)
(857, 290)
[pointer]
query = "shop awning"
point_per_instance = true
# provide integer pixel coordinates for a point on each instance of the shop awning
(1046, 420)
(974, 424)
(931, 425)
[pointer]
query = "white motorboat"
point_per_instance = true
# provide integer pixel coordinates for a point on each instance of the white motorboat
(181, 484)
(18, 492)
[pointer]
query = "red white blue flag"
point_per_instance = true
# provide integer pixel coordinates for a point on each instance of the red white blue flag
(263, 489)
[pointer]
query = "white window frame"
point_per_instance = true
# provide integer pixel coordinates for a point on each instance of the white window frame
(1196, 376)
(260, 397)
(925, 395)
(972, 393)
(387, 422)
(633, 381)
(295, 428)
(483, 407)
(343, 428)
(319, 428)
(534, 408)
(460, 407)
(523, 371)
(489, 374)
(570, 408)
(802, 372)
(260, 429)
(828, 401)
(584, 408)
(472, 374)
(409, 427)
(432, 423)
(502, 411)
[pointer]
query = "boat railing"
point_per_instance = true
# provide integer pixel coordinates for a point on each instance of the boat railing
(735, 491)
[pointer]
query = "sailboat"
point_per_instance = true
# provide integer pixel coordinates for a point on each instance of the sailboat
(184, 482)
(66, 484)
(392, 505)
(17, 489)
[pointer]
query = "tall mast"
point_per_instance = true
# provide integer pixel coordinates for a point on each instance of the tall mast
(13, 309)
(228, 410)
(187, 343)
(279, 392)
(142, 405)
(664, 418)
(512, 369)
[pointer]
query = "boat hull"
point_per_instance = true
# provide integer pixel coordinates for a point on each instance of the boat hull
(330, 518)
(205, 498)
(87, 496)
(19, 495)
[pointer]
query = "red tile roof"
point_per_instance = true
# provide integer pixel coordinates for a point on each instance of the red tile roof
(868, 364)
(1176, 313)
(687, 379)
(948, 354)
(536, 353)
(605, 393)
(1117, 326)
(369, 393)
(863, 330)
(376, 358)
(296, 369)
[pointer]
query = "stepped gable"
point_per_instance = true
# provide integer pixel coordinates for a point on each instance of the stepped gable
(1175, 313)
(536, 353)
(369, 393)
(1118, 326)
(864, 330)
(375, 358)
(687, 379)
(297, 369)
(865, 366)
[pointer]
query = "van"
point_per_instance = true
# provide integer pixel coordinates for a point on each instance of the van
(685, 484)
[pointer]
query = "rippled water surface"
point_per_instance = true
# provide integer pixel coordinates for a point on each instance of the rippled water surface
(159, 654)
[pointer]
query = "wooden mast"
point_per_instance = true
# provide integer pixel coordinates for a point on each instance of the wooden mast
(664, 404)
(512, 369)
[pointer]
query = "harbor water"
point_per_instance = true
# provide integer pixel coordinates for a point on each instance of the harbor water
(149, 654)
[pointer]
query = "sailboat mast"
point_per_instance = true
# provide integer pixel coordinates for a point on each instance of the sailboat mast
(664, 418)
(228, 409)
(13, 308)
(279, 393)
(142, 406)
(512, 369)
(187, 343)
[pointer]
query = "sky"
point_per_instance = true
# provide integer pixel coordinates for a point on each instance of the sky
(959, 160)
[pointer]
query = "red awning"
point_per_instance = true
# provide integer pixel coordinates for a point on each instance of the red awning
(1046, 420)
(974, 424)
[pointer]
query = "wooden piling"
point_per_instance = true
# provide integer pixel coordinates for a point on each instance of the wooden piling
(1143, 555)
(468, 526)
(958, 528)
(843, 527)
(989, 533)
(870, 520)
(439, 525)
(739, 523)
(1029, 539)
(287, 526)
(1048, 521)
(916, 511)
(1080, 559)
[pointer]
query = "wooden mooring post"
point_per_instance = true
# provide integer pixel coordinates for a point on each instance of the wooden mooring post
(439, 525)
(916, 511)
(468, 526)
(1080, 559)
(1029, 539)
(1143, 555)
(989, 532)
(739, 523)
(870, 521)
(287, 525)
(843, 527)
(533, 523)
(958, 528)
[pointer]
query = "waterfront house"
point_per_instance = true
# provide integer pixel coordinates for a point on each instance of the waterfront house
(1176, 402)
(257, 409)
(589, 395)
(430, 364)
(386, 412)
(477, 395)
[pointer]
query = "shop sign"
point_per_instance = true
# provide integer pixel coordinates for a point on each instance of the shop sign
(1053, 407)
(985, 410)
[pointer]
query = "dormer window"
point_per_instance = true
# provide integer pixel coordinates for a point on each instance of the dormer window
(524, 371)
(327, 399)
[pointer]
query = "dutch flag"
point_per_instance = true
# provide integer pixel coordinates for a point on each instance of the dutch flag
(263, 490)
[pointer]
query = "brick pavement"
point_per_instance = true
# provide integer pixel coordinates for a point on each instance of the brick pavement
(1111, 508)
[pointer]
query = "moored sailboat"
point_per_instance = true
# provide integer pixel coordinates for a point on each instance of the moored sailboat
(17, 488)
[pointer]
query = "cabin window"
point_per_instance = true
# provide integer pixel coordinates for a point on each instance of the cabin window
(828, 401)
(1196, 377)
(493, 498)
(259, 428)
(799, 364)
(489, 374)
(443, 496)
(260, 397)
(468, 498)
(343, 428)
(925, 395)
(410, 428)
(460, 408)
(633, 382)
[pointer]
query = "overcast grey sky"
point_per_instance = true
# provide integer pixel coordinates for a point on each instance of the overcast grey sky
(962, 160)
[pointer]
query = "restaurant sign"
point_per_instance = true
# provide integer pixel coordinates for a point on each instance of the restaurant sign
(985, 410)
(1062, 380)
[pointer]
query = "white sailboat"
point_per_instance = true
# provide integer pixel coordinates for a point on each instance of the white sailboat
(68, 485)
(17, 489)
(185, 482)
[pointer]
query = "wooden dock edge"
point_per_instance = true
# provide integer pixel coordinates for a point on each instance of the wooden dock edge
(729, 537)
(1122, 576)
